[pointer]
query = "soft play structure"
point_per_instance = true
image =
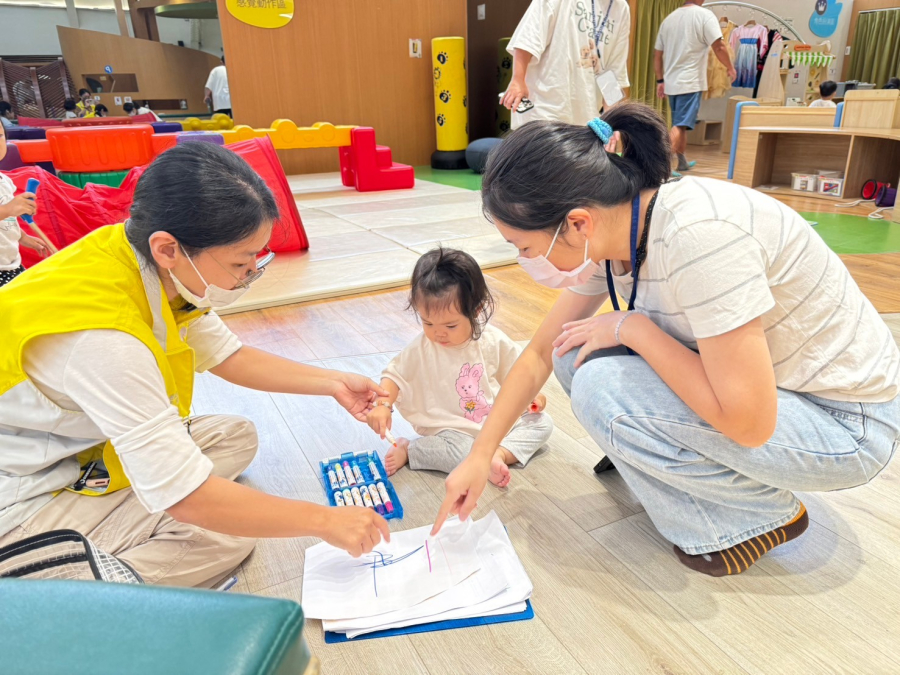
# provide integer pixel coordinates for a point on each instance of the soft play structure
(451, 115)
(218, 122)
(104, 149)
(66, 213)
(364, 165)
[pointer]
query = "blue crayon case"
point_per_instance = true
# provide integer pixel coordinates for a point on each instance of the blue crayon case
(361, 459)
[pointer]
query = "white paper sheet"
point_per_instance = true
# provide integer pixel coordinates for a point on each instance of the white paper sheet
(470, 598)
(410, 569)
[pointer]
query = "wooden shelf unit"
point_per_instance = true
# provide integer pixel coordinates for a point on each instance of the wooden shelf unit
(768, 156)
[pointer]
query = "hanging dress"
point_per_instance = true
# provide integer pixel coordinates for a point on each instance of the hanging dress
(717, 81)
(749, 43)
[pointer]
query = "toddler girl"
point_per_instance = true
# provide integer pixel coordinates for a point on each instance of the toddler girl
(444, 382)
(10, 235)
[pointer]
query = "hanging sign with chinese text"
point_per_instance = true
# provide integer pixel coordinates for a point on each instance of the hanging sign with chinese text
(262, 13)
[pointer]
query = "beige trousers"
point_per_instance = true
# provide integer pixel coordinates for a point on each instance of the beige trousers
(162, 550)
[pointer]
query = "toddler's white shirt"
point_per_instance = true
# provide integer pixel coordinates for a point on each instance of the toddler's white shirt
(451, 388)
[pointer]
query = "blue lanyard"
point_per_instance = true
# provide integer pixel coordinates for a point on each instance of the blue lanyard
(599, 31)
(635, 263)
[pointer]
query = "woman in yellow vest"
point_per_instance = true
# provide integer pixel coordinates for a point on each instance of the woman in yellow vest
(100, 346)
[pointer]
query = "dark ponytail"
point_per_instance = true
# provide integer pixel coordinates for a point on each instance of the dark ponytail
(203, 195)
(545, 169)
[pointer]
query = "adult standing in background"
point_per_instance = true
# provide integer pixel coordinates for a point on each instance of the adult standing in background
(85, 103)
(217, 94)
(680, 60)
(564, 53)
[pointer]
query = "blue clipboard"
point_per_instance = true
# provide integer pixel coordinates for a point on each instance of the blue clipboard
(528, 613)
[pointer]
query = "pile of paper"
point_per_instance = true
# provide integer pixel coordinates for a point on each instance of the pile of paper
(468, 570)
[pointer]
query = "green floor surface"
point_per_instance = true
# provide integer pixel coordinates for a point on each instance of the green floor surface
(847, 234)
(465, 178)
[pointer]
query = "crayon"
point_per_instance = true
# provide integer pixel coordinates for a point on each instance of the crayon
(383, 493)
(358, 474)
(374, 470)
(342, 480)
(349, 473)
(367, 499)
(357, 498)
(373, 492)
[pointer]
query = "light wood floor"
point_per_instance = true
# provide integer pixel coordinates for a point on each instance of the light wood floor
(609, 595)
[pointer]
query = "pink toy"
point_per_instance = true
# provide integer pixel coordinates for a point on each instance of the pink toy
(471, 396)
(369, 167)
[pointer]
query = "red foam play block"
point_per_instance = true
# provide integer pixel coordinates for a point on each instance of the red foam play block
(96, 149)
(369, 164)
(33, 152)
(97, 121)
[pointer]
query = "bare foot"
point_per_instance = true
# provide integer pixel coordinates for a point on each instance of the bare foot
(499, 470)
(397, 457)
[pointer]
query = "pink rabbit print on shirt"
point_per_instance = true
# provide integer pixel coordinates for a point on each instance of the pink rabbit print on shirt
(471, 397)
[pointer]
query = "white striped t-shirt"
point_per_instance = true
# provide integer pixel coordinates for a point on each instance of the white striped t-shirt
(719, 255)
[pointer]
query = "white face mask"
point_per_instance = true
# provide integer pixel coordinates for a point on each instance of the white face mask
(214, 297)
(546, 273)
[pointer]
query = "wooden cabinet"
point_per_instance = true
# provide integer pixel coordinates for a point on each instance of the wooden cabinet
(767, 156)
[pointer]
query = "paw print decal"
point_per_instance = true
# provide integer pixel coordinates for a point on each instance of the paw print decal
(442, 58)
(440, 120)
(504, 126)
(506, 63)
(437, 73)
(445, 96)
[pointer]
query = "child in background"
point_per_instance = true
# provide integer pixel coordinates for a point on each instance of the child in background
(71, 108)
(826, 92)
(10, 235)
(6, 115)
(445, 381)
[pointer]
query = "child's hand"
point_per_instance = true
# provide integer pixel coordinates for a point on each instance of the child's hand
(538, 404)
(379, 419)
(22, 205)
(36, 244)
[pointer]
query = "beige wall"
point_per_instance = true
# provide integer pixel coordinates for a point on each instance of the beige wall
(344, 62)
(163, 71)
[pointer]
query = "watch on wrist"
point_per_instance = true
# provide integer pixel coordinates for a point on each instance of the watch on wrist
(660, 81)
(386, 404)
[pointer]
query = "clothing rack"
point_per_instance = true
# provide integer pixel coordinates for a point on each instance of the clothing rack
(762, 10)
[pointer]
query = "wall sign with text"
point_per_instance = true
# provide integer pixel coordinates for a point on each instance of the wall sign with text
(262, 13)
(824, 19)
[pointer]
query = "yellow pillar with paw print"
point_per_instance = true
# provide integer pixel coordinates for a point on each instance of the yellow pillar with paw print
(451, 107)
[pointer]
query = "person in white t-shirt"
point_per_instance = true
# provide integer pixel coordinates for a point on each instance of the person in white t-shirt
(445, 381)
(747, 365)
(145, 110)
(826, 93)
(217, 93)
(11, 236)
(680, 61)
(563, 52)
(100, 345)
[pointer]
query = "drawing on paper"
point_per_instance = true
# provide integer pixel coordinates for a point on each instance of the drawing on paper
(378, 560)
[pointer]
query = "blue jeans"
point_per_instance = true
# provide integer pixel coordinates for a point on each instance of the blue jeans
(703, 491)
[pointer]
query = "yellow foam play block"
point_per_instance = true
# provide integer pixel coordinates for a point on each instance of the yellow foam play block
(218, 122)
(286, 135)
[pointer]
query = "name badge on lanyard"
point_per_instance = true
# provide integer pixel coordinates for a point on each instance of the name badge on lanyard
(607, 82)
